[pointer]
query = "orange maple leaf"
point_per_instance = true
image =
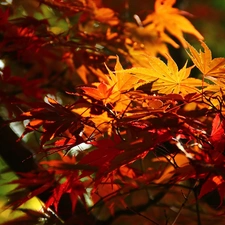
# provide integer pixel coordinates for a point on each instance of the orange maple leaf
(101, 92)
(106, 15)
(113, 87)
(102, 14)
(167, 18)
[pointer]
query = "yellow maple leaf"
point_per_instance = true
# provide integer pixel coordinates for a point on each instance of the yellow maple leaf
(166, 18)
(102, 122)
(212, 69)
(166, 78)
(144, 40)
(123, 81)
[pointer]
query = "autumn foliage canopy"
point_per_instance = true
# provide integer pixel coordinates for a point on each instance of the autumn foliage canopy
(119, 131)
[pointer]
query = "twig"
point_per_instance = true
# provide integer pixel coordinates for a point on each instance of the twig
(184, 203)
(182, 206)
(167, 219)
(197, 208)
(142, 215)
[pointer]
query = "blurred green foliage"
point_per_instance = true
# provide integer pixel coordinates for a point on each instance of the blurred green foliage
(209, 19)
(6, 212)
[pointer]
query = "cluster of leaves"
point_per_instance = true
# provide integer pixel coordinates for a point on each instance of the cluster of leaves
(155, 134)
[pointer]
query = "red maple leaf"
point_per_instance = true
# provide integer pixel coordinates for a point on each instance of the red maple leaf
(217, 138)
(102, 157)
(212, 183)
(218, 126)
(73, 186)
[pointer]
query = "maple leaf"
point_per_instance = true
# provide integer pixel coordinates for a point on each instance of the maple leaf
(34, 179)
(217, 138)
(73, 186)
(65, 165)
(106, 15)
(102, 122)
(212, 69)
(98, 13)
(102, 156)
(212, 183)
(114, 84)
(101, 92)
(38, 182)
(123, 81)
(53, 120)
(144, 40)
(218, 127)
(114, 88)
(166, 79)
(167, 18)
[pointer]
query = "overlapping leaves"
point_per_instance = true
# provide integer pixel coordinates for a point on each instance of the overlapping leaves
(124, 123)
(54, 123)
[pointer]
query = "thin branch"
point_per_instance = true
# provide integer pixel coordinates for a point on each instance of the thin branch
(197, 207)
(184, 203)
(166, 217)
(138, 213)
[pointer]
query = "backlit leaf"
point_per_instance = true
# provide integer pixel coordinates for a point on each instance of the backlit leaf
(211, 69)
(101, 92)
(167, 79)
(123, 81)
(214, 182)
(166, 18)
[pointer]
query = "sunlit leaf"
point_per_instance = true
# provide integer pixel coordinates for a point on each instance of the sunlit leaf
(167, 79)
(101, 92)
(212, 69)
(212, 183)
(166, 18)
(123, 81)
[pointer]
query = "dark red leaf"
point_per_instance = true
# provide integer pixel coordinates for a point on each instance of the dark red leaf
(214, 182)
